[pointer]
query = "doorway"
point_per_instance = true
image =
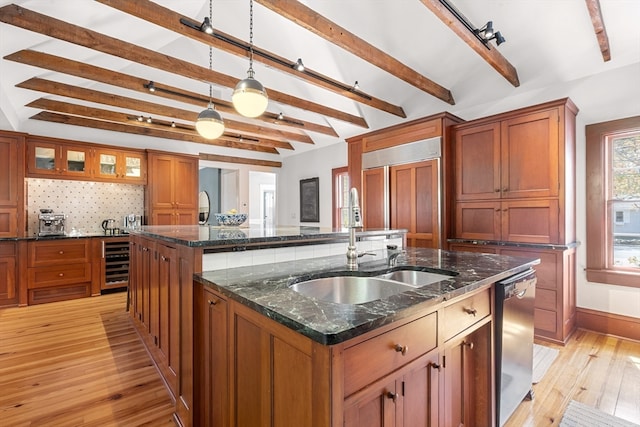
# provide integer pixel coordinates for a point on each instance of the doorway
(262, 189)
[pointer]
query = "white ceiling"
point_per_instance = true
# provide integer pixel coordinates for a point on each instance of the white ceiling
(551, 43)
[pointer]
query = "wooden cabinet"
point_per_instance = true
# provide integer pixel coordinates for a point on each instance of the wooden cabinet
(52, 158)
(415, 197)
(374, 204)
(515, 176)
(555, 302)
(432, 369)
(122, 166)
(59, 270)
(172, 190)
(8, 277)
(12, 215)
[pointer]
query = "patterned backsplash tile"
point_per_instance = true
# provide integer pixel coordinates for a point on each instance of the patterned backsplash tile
(85, 203)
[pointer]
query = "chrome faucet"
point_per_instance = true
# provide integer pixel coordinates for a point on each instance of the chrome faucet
(355, 221)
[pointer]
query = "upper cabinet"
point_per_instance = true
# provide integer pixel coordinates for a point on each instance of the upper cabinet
(514, 176)
(120, 165)
(11, 184)
(172, 190)
(55, 158)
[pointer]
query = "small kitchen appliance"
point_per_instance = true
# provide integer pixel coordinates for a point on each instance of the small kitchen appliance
(109, 226)
(51, 224)
(132, 222)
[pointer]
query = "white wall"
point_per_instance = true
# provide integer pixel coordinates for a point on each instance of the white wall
(316, 163)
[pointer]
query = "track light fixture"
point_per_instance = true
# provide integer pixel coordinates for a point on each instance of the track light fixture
(280, 116)
(149, 119)
(250, 97)
(140, 118)
(209, 123)
(150, 86)
(206, 26)
(299, 66)
(356, 86)
(487, 33)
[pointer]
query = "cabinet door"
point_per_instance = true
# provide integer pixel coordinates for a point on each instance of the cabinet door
(168, 312)
(215, 391)
(414, 193)
(478, 220)
(185, 183)
(43, 158)
(163, 217)
(8, 283)
(530, 155)
(9, 184)
(161, 185)
(420, 394)
(376, 407)
(133, 167)
(477, 153)
(531, 221)
(374, 197)
(76, 161)
(106, 164)
(468, 373)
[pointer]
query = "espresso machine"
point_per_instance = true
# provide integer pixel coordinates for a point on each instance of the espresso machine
(51, 224)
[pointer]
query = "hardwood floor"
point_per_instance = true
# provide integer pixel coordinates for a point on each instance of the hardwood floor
(80, 363)
(77, 363)
(597, 370)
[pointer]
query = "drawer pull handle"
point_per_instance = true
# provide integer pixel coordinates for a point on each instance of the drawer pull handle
(392, 396)
(401, 349)
(468, 344)
(472, 311)
(212, 302)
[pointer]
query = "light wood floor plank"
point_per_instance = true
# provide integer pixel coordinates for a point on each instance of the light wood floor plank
(78, 363)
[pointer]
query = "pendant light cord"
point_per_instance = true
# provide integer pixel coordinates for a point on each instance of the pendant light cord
(250, 72)
(210, 54)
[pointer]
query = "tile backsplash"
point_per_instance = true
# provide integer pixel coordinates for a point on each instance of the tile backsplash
(85, 203)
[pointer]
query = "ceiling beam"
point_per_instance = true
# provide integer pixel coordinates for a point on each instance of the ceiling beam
(486, 51)
(138, 107)
(241, 160)
(598, 26)
(126, 81)
(81, 115)
(52, 27)
(167, 18)
(332, 32)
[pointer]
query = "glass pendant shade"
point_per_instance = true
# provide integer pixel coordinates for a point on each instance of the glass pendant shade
(250, 97)
(209, 124)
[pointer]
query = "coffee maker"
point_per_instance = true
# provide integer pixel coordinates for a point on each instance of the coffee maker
(51, 224)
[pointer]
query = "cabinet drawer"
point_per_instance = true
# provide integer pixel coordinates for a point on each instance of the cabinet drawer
(546, 299)
(380, 355)
(62, 274)
(545, 320)
(55, 252)
(7, 249)
(461, 315)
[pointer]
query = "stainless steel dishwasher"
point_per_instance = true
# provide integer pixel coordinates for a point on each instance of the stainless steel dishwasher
(514, 342)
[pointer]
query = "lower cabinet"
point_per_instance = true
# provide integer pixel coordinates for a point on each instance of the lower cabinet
(555, 303)
(253, 371)
(8, 277)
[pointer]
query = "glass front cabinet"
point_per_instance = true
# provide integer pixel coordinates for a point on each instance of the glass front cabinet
(118, 165)
(54, 159)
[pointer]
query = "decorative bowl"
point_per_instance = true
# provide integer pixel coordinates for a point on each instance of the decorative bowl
(230, 219)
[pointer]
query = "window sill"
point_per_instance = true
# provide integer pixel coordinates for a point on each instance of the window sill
(614, 277)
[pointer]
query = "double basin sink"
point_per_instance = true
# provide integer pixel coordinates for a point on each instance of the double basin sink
(350, 288)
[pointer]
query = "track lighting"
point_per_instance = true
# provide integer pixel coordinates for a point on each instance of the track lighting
(150, 86)
(173, 124)
(356, 86)
(149, 120)
(140, 118)
(299, 66)
(486, 33)
(280, 116)
(206, 26)
(250, 97)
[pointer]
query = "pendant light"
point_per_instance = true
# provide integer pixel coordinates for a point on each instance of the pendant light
(209, 123)
(250, 97)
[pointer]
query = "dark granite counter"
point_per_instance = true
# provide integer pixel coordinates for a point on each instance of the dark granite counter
(66, 236)
(265, 288)
(253, 235)
(515, 244)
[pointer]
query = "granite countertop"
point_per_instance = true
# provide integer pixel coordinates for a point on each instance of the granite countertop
(212, 236)
(571, 245)
(64, 236)
(265, 289)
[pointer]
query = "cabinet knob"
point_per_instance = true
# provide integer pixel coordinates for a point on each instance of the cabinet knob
(401, 349)
(505, 189)
(60, 274)
(468, 344)
(497, 209)
(497, 190)
(163, 258)
(435, 366)
(472, 311)
(212, 302)
(393, 396)
(61, 252)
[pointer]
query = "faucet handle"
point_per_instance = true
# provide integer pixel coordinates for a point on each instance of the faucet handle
(361, 254)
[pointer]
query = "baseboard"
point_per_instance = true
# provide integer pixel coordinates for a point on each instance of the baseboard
(608, 323)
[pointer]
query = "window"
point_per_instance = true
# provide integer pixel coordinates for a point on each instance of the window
(613, 202)
(340, 197)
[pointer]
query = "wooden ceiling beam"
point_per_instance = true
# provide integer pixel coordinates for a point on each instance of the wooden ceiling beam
(598, 26)
(138, 106)
(52, 27)
(241, 160)
(167, 18)
(126, 81)
(486, 52)
(332, 32)
(81, 115)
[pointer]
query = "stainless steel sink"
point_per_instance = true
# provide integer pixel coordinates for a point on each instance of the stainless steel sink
(415, 278)
(350, 289)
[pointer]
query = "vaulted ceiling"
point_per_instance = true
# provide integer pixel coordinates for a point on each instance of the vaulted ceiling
(81, 69)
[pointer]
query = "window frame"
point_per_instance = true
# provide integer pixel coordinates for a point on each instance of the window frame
(598, 217)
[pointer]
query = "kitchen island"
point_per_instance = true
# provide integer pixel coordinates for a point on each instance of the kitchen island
(237, 346)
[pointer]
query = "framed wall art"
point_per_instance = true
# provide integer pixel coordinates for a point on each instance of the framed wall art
(310, 200)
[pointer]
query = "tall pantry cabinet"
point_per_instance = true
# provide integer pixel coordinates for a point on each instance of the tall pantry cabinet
(515, 195)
